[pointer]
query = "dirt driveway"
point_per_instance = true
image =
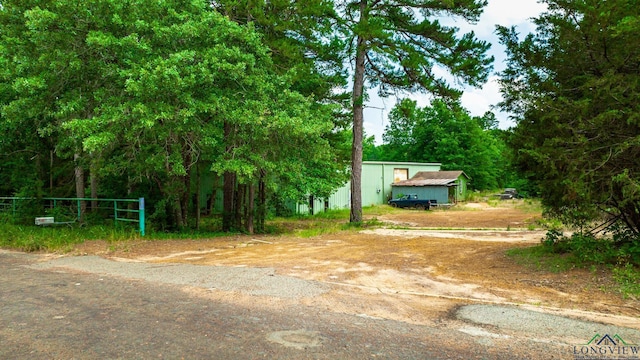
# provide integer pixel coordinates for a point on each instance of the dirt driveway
(416, 269)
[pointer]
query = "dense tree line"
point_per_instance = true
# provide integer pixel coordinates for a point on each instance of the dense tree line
(108, 98)
(446, 133)
(396, 45)
(574, 86)
(142, 96)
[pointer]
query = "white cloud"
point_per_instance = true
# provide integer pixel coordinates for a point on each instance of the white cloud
(510, 12)
(478, 101)
(501, 12)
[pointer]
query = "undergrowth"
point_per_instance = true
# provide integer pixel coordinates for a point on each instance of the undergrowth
(30, 238)
(619, 252)
(334, 221)
(61, 238)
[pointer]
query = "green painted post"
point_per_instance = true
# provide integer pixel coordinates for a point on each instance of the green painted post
(141, 215)
(79, 210)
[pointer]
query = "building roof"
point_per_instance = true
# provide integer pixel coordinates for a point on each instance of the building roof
(399, 163)
(432, 178)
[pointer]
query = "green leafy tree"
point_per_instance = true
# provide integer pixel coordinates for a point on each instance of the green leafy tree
(396, 45)
(20, 144)
(371, 152)
(448, 135)
(304, 47)
(284, 149)
(126, 78)
(574, 86)
(54, 76)
(302, 40)
(146, 90)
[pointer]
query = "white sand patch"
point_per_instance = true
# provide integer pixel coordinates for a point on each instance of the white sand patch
(474, 235)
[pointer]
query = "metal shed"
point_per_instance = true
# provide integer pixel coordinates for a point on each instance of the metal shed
(442, 186)
(377, 179)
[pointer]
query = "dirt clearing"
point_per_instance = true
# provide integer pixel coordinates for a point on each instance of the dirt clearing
(418, 268)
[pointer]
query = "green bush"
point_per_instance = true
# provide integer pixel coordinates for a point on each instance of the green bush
(620, 249)
(620, 253)
(588, 249)
(333, 214)
(630, 253)
(553, 239)
(628, 277)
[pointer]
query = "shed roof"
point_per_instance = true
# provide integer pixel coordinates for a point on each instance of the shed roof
(432, 178)
(401, 163)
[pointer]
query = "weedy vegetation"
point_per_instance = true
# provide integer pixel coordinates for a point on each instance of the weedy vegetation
(615, 253)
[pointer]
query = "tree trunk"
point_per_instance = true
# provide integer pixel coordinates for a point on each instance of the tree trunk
(198, 184)
(229, 185)
(213, 198)
(356, 149)
(94, 187)
(184, 206)
(228, 201)
(240, 205)
(211, 205)
(262, 202)
(250, 207)
(51, 173)
(178, 191)
(79, 175)
(185, 196)
(177, 212)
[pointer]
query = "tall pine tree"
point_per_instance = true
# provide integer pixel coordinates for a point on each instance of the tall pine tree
(397, 45)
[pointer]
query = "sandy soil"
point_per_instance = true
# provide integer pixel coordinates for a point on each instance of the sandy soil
(418, 272)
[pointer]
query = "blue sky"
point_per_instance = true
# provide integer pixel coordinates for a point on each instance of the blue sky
(478, 101)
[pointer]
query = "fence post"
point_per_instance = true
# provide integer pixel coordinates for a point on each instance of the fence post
(141, 215)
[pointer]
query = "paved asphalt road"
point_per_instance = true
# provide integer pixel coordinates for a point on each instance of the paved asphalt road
(56, 313)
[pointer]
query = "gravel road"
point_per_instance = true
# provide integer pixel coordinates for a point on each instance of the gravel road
(88, 307)
(251, 281)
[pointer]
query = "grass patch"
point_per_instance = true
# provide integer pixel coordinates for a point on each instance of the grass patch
(31, 238)
(380, 210)
(337, 214)
(317, 228)
(334, 227)
(482, 196)
(371, 223)
(329, 222)
(558, 253)
(531, 206)
(61, 238)
(628, 278)
(550, 224)
(493, 202)
(540, 258)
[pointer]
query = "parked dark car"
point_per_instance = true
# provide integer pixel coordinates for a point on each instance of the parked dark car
(410, 201)
(509, 193)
